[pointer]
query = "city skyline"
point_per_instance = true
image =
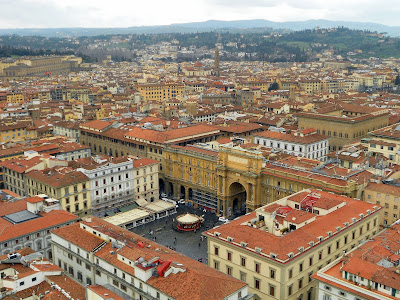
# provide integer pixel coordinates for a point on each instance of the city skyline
(60, 14)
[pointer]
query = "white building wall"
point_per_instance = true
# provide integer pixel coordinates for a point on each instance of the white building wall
(317, 150)
(110, 183)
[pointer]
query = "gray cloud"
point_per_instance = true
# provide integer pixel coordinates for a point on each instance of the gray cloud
(122, 13)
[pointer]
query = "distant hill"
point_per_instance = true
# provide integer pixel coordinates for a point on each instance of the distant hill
(211, 25)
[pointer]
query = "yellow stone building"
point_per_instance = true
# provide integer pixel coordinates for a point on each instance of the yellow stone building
(233, 181)
(160, 91)
(388, 197)
(39, 66)
(69, 186)
(385, 142)
(278, 247)
(19, 131)
(190, 174)
(15, 98)
(343, 129)
(310, 86)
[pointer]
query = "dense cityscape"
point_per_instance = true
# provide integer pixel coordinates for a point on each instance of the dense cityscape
(209, 165)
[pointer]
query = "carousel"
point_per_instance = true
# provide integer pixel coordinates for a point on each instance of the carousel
(188, 222)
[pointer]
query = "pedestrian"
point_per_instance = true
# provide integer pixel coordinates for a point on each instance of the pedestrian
(199, 245)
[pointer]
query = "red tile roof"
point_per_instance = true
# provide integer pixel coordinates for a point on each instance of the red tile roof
(137, 163)
(58, 177)
(291, 242)
(201, 281)
(47, 220)
(308, 139)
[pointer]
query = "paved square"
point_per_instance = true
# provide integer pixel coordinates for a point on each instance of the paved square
(187, 243)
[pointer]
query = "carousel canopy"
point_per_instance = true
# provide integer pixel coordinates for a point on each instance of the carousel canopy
(188, 219)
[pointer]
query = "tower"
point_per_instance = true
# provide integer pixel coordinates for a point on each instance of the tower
(216, 62)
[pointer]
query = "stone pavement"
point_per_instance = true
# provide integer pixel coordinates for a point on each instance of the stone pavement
(187, 243)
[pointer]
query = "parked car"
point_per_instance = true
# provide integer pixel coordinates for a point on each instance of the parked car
(181, 201)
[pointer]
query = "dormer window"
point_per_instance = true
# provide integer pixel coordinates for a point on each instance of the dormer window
(273, 255)
(320, 238)
(230, 239)
(217, 234)
(243, 244)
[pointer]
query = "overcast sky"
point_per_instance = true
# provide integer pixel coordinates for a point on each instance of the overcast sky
(125, 13)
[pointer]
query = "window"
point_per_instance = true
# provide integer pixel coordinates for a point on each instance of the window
(216, 265)
(116, 283)
(290, 290)
(229, 256)
(88, 267)
(309, 276)
(272, 290)
(290, 273)
(243, 276)
(256, 283)
(311, 260)
(98, 273)
(229, 270)
(300, 267)
(257, 267)
(300, 283)
(272, 273)
(243, 261)
(329, 250)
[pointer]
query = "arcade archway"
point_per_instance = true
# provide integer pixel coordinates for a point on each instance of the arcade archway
(161, 185)
(238, 196)
(182, 192)
(171, 189)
